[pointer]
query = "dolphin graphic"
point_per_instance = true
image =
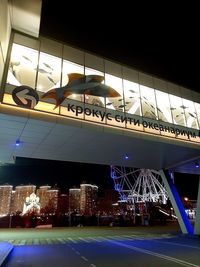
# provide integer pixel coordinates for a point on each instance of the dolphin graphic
(81, 84)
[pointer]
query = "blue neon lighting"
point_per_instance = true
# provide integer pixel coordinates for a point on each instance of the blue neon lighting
(17, 143)
(197, 164)
(185, 219)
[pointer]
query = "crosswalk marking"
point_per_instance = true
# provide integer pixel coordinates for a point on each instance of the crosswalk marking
(52, 241)
(95, 239)
(61, 240)
(84, 240)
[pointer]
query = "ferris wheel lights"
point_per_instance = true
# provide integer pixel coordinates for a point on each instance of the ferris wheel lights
(140, 185)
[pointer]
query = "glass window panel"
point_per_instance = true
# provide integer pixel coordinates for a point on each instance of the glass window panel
(177, 110)
(148, 102)
(132, 97)
(197, 112)
(23, 66)
(163, 106)
(114, 100)
(92, 99)
(70, 67)
(190, 114)
(49, 72)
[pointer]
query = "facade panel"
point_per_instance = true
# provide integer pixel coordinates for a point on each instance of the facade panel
(78, 91)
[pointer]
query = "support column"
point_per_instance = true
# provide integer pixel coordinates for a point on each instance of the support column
(197, 217)
(177, 205)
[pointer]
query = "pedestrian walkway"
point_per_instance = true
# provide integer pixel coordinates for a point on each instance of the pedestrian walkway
(88, 239)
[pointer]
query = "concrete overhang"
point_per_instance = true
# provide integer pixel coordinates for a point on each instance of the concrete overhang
(53, 137)
(25, 16)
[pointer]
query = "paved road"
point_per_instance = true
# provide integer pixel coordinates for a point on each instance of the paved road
(103, 248)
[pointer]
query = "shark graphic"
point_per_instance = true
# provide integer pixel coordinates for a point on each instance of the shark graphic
(81, 84)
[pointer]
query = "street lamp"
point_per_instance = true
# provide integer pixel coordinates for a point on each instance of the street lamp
(10, 220)
(69, 213)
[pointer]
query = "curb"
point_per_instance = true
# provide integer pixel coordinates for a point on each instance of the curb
(5, 249)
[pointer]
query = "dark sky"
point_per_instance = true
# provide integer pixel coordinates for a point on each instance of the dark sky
(160, 40)
(67, 174)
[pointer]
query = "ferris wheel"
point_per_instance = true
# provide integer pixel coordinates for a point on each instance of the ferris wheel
(140, 185)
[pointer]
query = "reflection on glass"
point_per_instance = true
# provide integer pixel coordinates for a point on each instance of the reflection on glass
(197, 113)
(190, 114)
(132, 98)
(49, 72)
(148, 102)
(70, 67)
(163, 106)
(177, 109)
(22, 66)
(94, 100)
(116, 103)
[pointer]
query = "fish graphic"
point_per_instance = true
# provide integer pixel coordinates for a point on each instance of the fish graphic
(43, 71)
(81, 84)
(47, 66)
(51, 80)
(27, 58)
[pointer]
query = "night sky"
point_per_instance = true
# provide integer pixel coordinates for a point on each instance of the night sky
(65, 175)
(160, 40)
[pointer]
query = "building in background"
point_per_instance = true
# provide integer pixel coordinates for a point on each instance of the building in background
(88, 199)
(52, 196)
(63, 204)
(108, 203)
(5, 199)
(12, 201)
(74, 199)
(42, 194)
(31, 205)
(21, 193)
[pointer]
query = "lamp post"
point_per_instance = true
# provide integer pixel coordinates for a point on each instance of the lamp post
(69, 212)
(10, 220)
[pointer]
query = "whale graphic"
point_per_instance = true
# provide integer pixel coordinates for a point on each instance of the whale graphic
(81, 84)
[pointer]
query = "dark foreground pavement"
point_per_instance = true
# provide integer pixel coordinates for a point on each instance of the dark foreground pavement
(102, 247)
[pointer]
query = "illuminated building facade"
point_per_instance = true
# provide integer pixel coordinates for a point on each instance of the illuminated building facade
(23, 198)
(140, 103)
(57, 100)
(21, 193)
(31, 205)
(5, 199)
(48, 198)
(42, 194)
(88, 199)
(74, 199)
(52, 196)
